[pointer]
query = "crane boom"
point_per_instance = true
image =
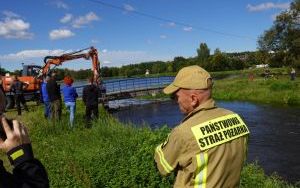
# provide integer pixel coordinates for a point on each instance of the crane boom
(58, 60)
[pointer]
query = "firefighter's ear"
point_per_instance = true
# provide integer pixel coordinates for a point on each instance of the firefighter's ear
(194, 100)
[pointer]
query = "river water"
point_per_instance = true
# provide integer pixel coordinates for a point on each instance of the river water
(275, 131)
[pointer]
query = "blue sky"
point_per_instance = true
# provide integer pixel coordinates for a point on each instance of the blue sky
(129, 31)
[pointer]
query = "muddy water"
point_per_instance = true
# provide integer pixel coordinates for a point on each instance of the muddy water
(275, 131)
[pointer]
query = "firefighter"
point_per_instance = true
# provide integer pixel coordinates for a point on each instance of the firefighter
(208, 148)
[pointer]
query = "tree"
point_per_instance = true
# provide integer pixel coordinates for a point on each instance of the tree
(203, 53)
(219, 61)
(178, 63)
(2, 70)
(284, 36)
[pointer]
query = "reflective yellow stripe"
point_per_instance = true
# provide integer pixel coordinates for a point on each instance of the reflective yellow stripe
(17, 154)
(163, 161)
(201, 172)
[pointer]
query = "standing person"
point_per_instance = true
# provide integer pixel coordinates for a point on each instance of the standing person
(70, 96)
(28, 171)
(90, 97)
(45, 97)
(293, 74)
(53, 90)
(17, 88)
(209, 147)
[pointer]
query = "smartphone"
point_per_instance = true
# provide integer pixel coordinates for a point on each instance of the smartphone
(2, 132)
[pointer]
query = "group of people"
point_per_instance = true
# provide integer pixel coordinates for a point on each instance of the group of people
(52, 100)
(207, 149)
(51, 96)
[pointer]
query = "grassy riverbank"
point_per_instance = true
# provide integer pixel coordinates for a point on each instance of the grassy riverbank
(270, 91)
(236, 85)
(110, 154)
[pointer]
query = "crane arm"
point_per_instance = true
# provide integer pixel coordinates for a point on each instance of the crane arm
(58, 60)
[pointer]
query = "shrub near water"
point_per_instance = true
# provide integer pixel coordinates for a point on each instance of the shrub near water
(109, 154)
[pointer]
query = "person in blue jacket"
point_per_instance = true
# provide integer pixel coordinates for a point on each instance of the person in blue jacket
(45, 97)
(70, 96)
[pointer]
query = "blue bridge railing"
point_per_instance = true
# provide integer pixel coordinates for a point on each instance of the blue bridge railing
(133, 84)
(130, 84)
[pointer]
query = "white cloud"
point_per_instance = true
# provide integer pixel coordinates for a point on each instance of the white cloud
(163, 36)
(13, 61)
(61, 4)
(14, 27)
(171, 24)
(66, 18)
(187, 29)
(109, 58)
(84, 20)
(94, 41)
(267, 6)
(28, 54)
(10, 14)
(128, 7)
(60, 34)
(168, 25)
(106, 62)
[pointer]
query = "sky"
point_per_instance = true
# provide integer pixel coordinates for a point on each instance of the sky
(129, 31)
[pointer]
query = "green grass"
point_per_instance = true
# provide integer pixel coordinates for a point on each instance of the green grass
(235, 85)
(110, 154)
(273, 91)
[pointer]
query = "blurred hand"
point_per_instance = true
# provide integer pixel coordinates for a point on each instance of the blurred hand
(17, 136)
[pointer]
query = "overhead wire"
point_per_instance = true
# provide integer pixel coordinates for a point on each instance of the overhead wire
(170, 20)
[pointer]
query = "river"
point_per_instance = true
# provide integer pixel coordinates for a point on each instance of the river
(275, 131)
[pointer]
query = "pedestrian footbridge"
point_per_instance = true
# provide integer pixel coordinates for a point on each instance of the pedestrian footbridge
(117, 89)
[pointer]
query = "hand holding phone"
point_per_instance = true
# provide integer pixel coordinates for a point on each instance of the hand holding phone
(2, 131)
(12, 134)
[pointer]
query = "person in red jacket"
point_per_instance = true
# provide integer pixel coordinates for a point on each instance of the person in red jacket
(14, 140)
